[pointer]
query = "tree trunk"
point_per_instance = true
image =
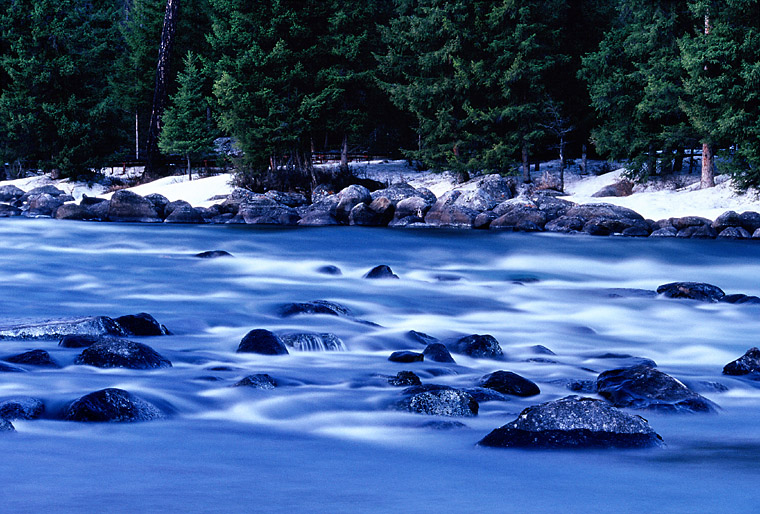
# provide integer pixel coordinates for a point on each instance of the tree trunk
(189, 168)
(153, 163)
(708, 166)
(584, 159)
(691, 161)
(678, 163)
(651, 161)
(525, 165)
(344, 154)
(137, 135)
(561, 163)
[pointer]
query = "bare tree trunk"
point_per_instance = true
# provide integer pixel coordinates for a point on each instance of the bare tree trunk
(160, 92)
(189, 168)
(651, 161)
(584, 159)
(708, 166)
(344, 154)
(678, 163)
(691, 161)
(137, 135)
(525, 165)
(561, 163)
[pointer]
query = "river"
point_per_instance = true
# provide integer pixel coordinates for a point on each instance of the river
(328, 440)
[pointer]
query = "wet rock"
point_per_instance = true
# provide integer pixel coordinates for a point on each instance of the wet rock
(517, 214)
(692, 291)
(441, 402)
(330, 270)
(443, 425)
(22, 407)
(689, 221)
(740, 299)
(421, 337)
(507, 382)
(263, 342)
(183, 212)
(55, 329)
(268, 212)
(483, 395)
(142, 324)
(377, 214)
(7, 368)
(396, 193)
(574, 422)
(121, 353)
(314, 307)
(405, 356)
(348, 198)
(446, 213)
(6, 426)
(483, 220)
(404, 379)
(643, 387)
(10, 193)
(565, 224)
(726, 220)
(734, 233)
(111, 405)
(478, 346)
(41, 205)
(213, 254)
(747, 364)
(34, 358)
(664, 232)
(415, 207)
(603, 218)
(126, 206)
(621, 188)
(381, 271)
(257, 381)
(484, 193)
(438, 352)
(320, 213)
(287, 199)
(750, 221)
(623, 360)
(78, 341)
(636, 232)
(313, 342)
(8, 211)
(160, 204)
(697, 232)
(582, 386)
(76, 212)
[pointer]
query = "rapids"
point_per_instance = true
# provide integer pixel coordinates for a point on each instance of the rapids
(327, 439)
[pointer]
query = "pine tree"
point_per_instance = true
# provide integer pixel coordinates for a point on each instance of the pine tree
(186, 128)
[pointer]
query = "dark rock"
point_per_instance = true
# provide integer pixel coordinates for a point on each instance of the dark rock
(114, 405)
(689, 221)
(443, 425)
(438, 352)
(287, 199)
(55, 329)
(740, 298)
(8, 211)
(483, 395)
(602, 217)
(377, 214)
(381, 271)
(749, 363)
(184, 213)
(100, 210)
(750, 221)
(404, 379)
(507, 382)
(126, 206)
(421, 337)
(314, 307)
(113, 352)
(320, 213)
(574, 422)
(6, 426)
(78, 341)
(314, 342)
(42, 205)
(726, 220)
(396, 193)
(582, 386)
(565, 224)
(405, 356)
(89, 201)
(72, 211)
(692, 291)
(552, 206)
(540, 349)
(697, 232)
(348, 198)
(34, 358)
(257, 381)
(160, 204)
(734, 233)
(142, 324)
(330, 270)
(621, 188)
(7, 368)
(268, 212)
(263, 342)
(10, 193)
(665, 232)
(643, 387)
(212, 254)
(623, 360)
(445, 212)
(593, 228)
(22, 407)
(514, 215)
(478, 346)
(441, 402)
(415, 206)
(483, 220)
(635, 232)
(423, 388)
(45, 190)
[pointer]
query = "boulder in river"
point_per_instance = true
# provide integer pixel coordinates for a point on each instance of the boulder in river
(644, 387)
(478, 346)
(34, 358)
(111, 405)
(21, 407)
(405, 356)
(438, 352)
(692, 291)
(747, 364)
(314, 307)
(78, 341)
(213, 254)
(309, 342)
(405, 379)
(6, 426)
(446, 213)
(441, 402)
(381, 271)
(55, 329)
(263, 342)
(112, 352)
(574, 422)
(142, 324)
(507, 382)
(257, 381)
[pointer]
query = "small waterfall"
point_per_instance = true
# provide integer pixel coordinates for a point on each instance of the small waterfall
(314, 342)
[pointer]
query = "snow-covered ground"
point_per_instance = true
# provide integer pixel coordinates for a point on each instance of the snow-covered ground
(654, 201)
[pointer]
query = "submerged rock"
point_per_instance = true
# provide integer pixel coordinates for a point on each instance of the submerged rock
(262, 341)
(257, 381)
(441, 402)
(749, 363)
(438, 352)
(34, 358)
(78, 341)
(314, 342)
(405, 379)
(740, 299)
(643, 387)
(507, 382)
(314, 307)
(421, 337)
(381, 271)
(213, 254)
(142, 324)
(406, 357)
(121, 353)
(692, 291)
(574, 422)
(478, 346)
(6, 426)
(112, 405)
(55, 329)
(330, 270)
(21, 408)
(7, 368)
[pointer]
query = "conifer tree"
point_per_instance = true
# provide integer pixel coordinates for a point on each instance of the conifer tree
(186, 129)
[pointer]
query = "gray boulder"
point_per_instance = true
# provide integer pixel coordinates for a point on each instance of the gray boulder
(8, 211)
(734, 233)
(267, 212)
(126, 206)
(518, 214)
(478, 346)
(257, 381)
(440, 402)
(574, 422)
(182, 212)
(507, 382)
(111, 405)
(348, 198)
(73, 211)
(22, 407)
(565, 224)
(446, 213)
(55, 329)
(621, 188)
(692, 291)
(160, 203)
(114, 352)
(42, 205)
(10, 193)
(263, 342)
(484, 193)
(747, 364)
(287, 199)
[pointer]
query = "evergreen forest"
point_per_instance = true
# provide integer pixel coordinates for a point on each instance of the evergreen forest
(471, 86)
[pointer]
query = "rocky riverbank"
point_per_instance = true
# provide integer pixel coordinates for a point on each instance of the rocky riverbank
(486, 202)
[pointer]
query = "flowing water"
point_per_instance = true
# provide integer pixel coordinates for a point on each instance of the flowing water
(328, 439)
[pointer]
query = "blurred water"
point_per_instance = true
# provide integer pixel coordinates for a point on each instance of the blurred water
(328, 441)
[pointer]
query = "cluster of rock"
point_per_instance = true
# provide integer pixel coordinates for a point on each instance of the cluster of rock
(489, 201)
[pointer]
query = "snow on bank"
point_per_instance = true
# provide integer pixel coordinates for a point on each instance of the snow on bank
(198, 192)
(75, 189)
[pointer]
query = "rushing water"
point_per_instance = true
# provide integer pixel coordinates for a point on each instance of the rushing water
(328, 441)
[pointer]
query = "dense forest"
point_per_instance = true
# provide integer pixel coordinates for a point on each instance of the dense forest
(465, 85)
